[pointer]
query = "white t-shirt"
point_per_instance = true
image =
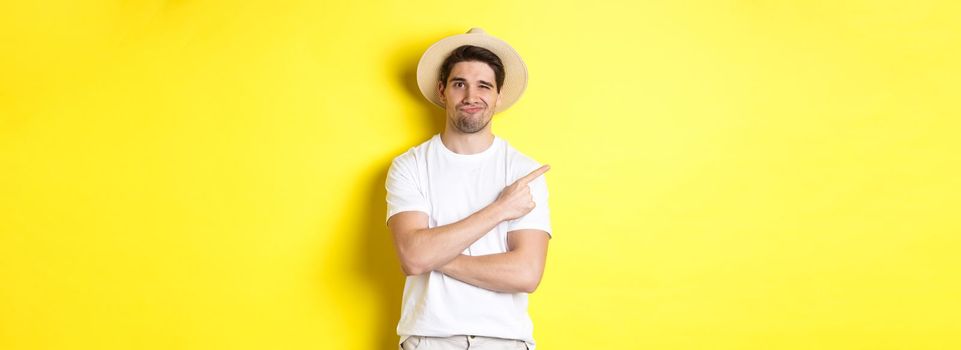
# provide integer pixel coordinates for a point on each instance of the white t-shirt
(449, 187)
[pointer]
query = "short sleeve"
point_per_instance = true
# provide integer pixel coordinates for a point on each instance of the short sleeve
(540, 217)
(403, 191)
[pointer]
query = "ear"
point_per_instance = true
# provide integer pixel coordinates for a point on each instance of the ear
(440, 92)
(497, 102)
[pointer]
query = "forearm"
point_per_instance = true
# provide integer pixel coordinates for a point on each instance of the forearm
(509, 272)
(434, 247)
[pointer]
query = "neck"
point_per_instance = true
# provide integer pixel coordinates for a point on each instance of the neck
(462, 143)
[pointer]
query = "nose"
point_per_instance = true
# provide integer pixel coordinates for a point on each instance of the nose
(470, 95)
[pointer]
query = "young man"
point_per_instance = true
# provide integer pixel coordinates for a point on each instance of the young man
(467, 211)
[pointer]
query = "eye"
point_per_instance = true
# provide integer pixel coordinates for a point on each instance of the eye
(458, 84)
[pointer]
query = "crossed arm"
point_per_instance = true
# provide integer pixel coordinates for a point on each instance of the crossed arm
(422, 249)
(518, 270)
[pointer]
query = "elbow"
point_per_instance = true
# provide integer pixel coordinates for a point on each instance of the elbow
(412, 260)
(408, 262)
(413, 270)
(529, 287)
(529, 284)
(413, 267)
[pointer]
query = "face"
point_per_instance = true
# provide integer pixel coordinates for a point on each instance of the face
(470, 96)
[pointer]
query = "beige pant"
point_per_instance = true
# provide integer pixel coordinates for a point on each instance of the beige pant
(462, 342)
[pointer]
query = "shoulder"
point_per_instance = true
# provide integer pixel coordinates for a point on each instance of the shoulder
(521, 163)
(412, 156)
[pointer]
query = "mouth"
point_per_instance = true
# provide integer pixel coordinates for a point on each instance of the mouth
(471, 109)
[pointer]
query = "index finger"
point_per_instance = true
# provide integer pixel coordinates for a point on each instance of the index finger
(534, 174)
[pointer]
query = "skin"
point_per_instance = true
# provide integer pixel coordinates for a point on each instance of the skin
(470, 97)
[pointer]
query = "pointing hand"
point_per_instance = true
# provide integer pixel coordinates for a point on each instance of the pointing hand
(516, 200)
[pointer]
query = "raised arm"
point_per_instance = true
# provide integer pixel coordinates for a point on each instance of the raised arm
(422, 249)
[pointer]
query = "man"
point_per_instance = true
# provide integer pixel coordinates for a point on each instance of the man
(467, 211)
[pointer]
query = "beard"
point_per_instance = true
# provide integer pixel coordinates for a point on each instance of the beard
(470, 124)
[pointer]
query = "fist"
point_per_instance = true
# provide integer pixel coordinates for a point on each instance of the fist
(516, 200)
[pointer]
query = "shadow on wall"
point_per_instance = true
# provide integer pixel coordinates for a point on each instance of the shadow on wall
(429, 116)
(378, 264)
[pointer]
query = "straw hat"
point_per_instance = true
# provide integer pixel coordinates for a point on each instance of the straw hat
(515, 72)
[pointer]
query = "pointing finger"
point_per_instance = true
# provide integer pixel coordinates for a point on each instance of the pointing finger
(534, 174)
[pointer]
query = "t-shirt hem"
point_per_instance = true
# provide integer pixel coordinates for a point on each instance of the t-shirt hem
(401, 210)
(547, 230)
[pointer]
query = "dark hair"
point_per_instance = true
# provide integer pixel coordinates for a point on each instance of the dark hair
(472, 53)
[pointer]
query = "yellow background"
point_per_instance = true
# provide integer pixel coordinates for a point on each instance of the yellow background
(726, 175)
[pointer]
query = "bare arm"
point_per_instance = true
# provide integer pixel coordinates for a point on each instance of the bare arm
(422, 249)
(517, 271)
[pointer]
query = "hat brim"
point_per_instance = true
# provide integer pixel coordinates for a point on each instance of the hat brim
(515, 72)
